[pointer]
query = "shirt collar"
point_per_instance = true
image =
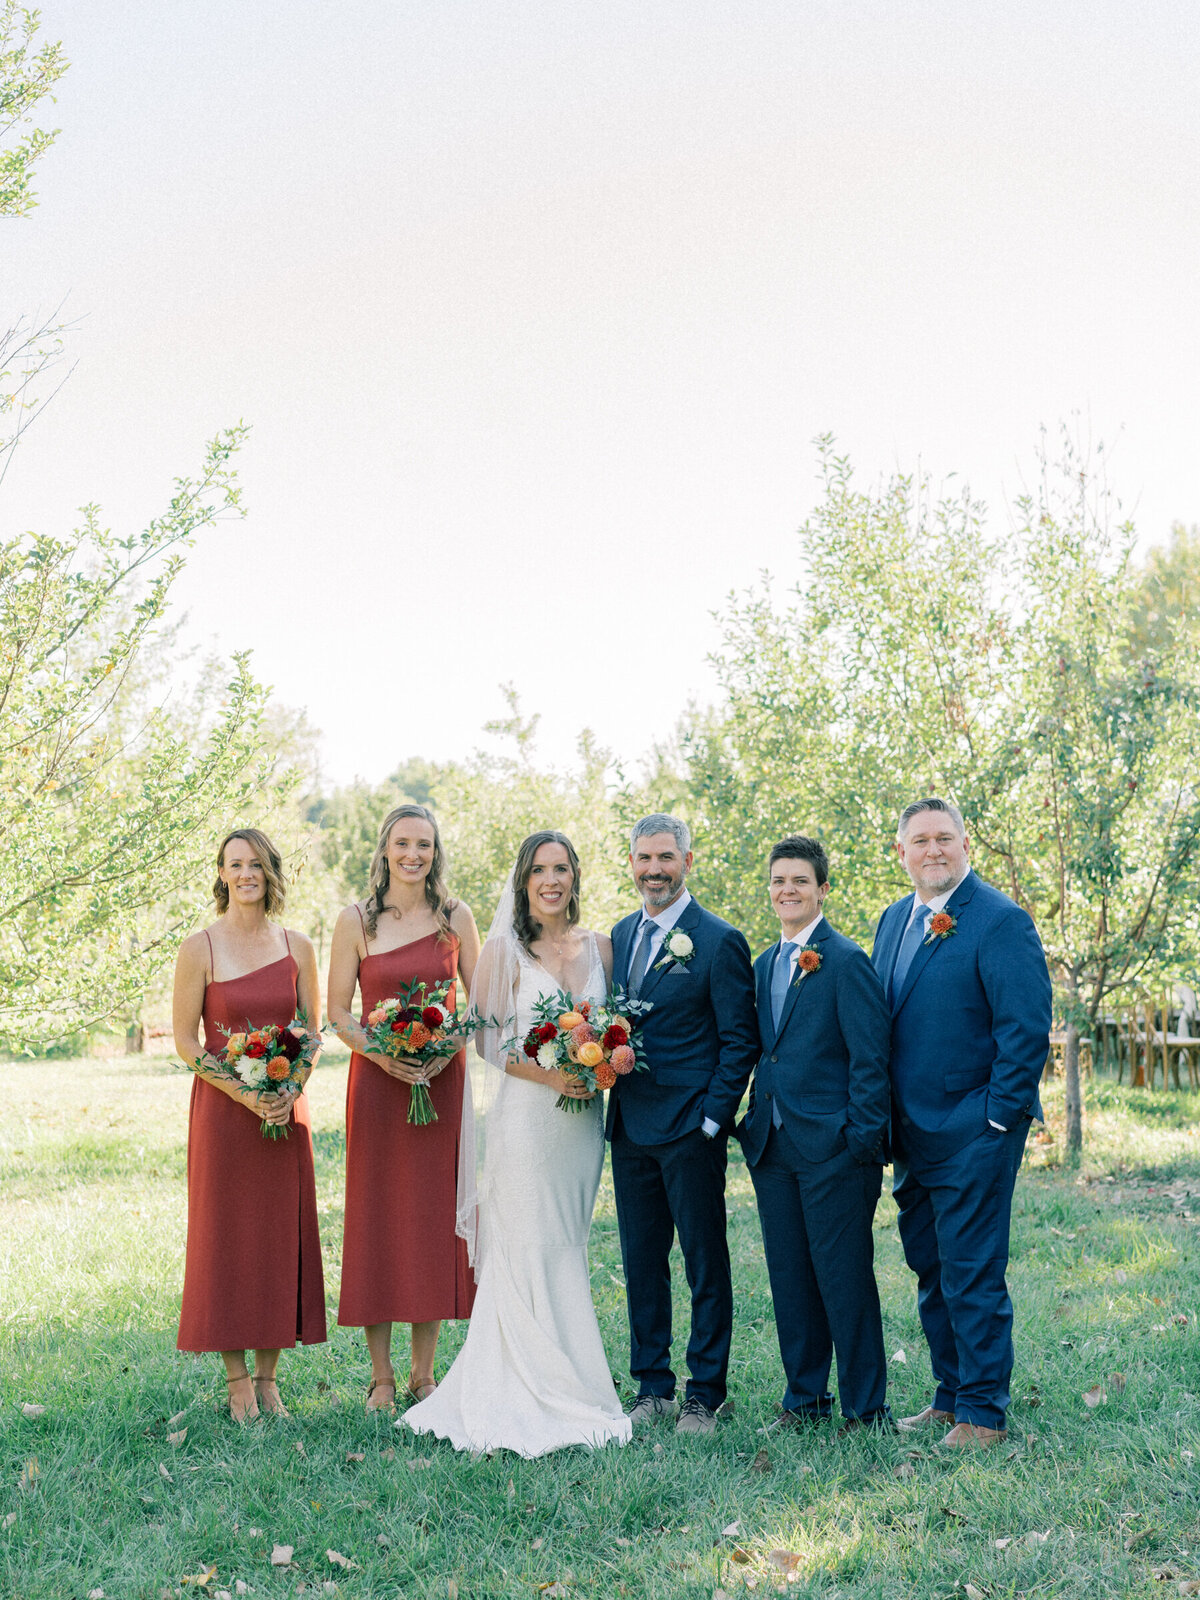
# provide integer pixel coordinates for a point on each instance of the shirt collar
(666, 919)
(803, 936)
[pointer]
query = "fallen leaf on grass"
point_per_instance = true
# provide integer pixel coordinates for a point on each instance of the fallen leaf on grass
(1095, 1396)
(623, 1542)
(1140, 1538)
(742, 1557)
(1002, 1544)
(388, 1455)
(177, 1438)
(241, 1587)
(904, 1470)
(898, 1355)
(658, 1449)
(255, 1533)
(971, 1592)
(1033, 1537)
(761, 1462)
(95, 1594)
(553, 1591)
(451, 1589)
(1116, 1382)
(281, 1555)
(954, 1516)
(222, 1594)
(720, 1594)
(30, 1473)
(300, 1450)
(178, 1417)
(538, 1543)
(201, 1580)
(1165, 1574)
(10, 1519)
(418, 1463)
(356, 1455)
(164, 1474)
(785, 1560)
(30, 1410)
(337, 1559)
(732, 1531)
(1180, 1320)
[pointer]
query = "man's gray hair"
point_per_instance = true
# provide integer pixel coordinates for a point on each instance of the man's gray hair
(660, 822)
(930, 803)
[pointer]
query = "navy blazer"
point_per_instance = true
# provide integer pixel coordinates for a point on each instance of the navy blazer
(971, 1025)
(700, 1039)
(826, 1066)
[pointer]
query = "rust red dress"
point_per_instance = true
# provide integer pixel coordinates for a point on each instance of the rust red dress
(253, 1276)
(401, 1258)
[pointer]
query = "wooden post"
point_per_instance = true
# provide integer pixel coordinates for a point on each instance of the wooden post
(1148, 1025)
(1166, 1021)
(1074, 1096)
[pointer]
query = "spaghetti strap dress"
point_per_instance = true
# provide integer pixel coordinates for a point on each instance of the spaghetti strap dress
(401, 1258)
(252, 1278)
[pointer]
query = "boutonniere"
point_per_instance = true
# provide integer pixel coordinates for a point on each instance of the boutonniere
(941, 926)
(677, 947)
(808, 960)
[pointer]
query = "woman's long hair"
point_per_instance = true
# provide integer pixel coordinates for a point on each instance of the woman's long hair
(436, 896)
(524, 925)
(272, 865)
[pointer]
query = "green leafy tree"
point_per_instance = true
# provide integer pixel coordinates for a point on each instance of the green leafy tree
(27, 74)
(925, 653)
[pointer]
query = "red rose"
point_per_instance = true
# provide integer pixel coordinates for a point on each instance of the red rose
(531, 1048)
(256, 1048)
(546, 1032)
(433, 1017)
(613, 1037)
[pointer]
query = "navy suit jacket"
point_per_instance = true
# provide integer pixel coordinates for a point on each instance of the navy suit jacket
(701, 1038)
(971, 1024)
(826, 1066)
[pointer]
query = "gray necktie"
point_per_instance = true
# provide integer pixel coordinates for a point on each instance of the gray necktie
(909, 946)
(780, 978)
(641, 957)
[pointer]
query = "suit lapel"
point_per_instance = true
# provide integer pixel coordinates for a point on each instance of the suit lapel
(621, 953)
(686, 923)
(928, 948)
(818, 937)
(762, 982)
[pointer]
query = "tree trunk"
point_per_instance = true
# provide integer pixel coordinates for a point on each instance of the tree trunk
(1074, 1090)
(135, 1037)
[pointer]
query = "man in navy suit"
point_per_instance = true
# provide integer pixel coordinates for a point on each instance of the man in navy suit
(970, 998)
(669, 1126)
(814, 1138)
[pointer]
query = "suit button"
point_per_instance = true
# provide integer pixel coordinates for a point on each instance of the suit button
(774, 1058)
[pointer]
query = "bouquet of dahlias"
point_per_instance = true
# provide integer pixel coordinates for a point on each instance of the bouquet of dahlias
(595, 1040)
(416, 1022)
(269, 1060)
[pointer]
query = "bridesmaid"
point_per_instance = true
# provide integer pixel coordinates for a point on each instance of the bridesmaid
(253, 1272)
(401, 1258)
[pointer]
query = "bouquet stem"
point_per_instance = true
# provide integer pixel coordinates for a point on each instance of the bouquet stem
(272, 1130)
(420, 1105)
(568, 1102)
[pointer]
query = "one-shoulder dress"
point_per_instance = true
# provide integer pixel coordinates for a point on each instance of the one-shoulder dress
(401, 1258)
(252, 1279)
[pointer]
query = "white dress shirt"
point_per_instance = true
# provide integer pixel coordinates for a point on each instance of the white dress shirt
(797, 941)
(662, 921)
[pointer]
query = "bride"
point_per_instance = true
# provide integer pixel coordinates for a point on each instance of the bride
(532, 1375)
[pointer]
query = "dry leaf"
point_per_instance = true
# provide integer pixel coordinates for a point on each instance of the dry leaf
(177, 1438)
(1190, 1586)
(30, 1473)
(1164, 1574)
(31, 1411)
(201, 1580)
(95, 1594)
(1116, 1382)
(1179, 1320)
(904, 1470)
(418, 1463)
(337, 1559)
(255, 1533)
(1002, 1544)
(300, 1450)
(451, 1589)
(720, 1594)
(164, 1474)
(538, 1543)
(972, 1593)
(355, 1455)
(954, 1516)
(742, 1557)
(10, 1519)
(178, 1417)
(898, 1355)
(222, 1594)
(388, 1455)
(554, 1591)
(761, 1462)
(281, 1555)
(241, 1587)
(732, 1531)
(658, 1450)
(785, 1560)
(1095, 1396)
(1033, 1537)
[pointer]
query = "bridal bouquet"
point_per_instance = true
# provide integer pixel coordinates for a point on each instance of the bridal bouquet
(269, 1060)
(415, 1022)
(596, 1041)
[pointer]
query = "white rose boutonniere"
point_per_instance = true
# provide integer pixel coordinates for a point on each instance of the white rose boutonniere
(677, 948)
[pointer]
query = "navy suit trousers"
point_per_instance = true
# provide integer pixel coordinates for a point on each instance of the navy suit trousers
(816, 1224)
(661, 1189)
(954, 1220)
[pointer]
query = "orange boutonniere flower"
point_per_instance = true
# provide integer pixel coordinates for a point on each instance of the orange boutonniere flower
(808, 960)
(941, 926)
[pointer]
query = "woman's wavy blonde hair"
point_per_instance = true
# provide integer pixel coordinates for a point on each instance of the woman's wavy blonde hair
(272, 865)
(436, 894)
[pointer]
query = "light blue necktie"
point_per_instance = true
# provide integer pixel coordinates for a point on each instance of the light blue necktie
(780, 978)
(909, 946)
(641, 958)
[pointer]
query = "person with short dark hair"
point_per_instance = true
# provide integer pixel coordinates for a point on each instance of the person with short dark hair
(813, 1139)
(970, 1000)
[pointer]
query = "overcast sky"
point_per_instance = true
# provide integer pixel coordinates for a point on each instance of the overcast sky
(535, 309)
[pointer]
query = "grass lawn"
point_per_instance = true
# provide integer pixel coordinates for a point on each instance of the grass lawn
(1096, 1500)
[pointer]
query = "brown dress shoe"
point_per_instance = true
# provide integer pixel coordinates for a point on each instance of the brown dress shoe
(973, 1436)
(927, 1418)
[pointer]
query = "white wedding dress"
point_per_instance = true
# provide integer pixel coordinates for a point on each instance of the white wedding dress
(532, 1375)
